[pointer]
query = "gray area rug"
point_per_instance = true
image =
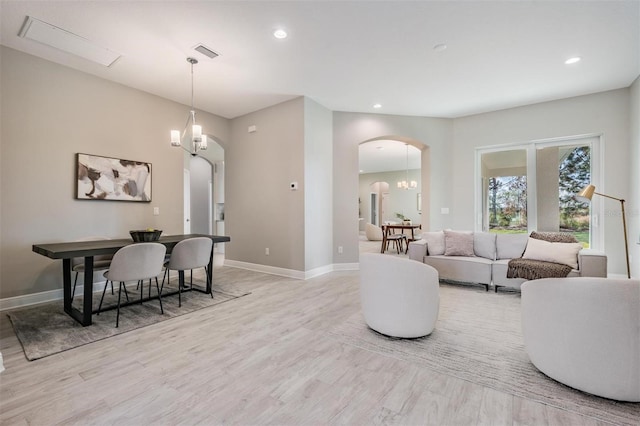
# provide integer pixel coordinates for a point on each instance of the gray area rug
(478, 338)
(46, 329)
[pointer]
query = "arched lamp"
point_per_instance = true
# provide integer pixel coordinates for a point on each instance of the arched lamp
(586, 194)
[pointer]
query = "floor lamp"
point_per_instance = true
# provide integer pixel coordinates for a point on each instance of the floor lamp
(586, 194)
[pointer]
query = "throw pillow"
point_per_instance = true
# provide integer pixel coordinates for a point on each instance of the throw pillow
(554, 237)
(484, 245)
(435, 242)
(457, 243)
(565, 253)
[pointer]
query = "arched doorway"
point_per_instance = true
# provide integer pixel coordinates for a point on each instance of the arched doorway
(204, 192)
(399, 162)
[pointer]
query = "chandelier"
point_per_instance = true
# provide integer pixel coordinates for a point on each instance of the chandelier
(407, 184)
(195, 140)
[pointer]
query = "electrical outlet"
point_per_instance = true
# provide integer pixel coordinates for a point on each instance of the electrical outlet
(266, 251)
(156, 211)
(339, 249)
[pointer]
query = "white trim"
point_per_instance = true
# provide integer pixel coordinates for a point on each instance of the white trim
(42, 297)
(283, 272)
(346, 266)
(292, 273)
(53, 295)
(312, 273)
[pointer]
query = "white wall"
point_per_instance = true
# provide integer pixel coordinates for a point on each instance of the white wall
(50, 113)
(604, 113)
(318, 190)
(201, 196)
(351, 129)
(633, 205)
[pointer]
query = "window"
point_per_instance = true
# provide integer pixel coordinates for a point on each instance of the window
(531, 186)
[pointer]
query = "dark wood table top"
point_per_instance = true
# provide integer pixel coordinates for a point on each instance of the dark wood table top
(67, 250)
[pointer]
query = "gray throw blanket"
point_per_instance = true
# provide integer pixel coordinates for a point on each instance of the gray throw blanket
(530, 269)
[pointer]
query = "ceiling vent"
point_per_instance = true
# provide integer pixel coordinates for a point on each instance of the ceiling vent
(50, 35)
(205, 51)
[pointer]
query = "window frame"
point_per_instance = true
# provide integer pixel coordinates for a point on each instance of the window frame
(596, 211)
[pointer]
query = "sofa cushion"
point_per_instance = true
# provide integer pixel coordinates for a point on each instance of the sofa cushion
(565, 253)
(461, 268)
(484, 245)
(458, 243)
(510, 246)
(435, 242)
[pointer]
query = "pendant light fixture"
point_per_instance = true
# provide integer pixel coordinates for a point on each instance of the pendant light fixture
(194, 139)
(407, 184)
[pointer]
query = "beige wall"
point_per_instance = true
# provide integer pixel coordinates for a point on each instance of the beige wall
(604, 113)
(351, 129)
(50, 113)
(260, 209)
(633, 206)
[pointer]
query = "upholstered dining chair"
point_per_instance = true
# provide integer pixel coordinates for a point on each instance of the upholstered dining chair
(187, 255)
(135, 262)
(100, 263)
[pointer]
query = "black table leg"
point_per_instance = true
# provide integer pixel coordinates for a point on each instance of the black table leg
(87, 303)
(66, 284)
(210, 272)
(83, 317)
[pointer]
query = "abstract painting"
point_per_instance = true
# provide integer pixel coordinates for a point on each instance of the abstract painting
(105, 178)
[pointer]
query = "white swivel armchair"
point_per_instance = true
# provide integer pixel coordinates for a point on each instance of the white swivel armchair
(585, 333)
(399, 297)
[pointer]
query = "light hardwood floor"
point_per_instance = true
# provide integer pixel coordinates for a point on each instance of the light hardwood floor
(262, 359)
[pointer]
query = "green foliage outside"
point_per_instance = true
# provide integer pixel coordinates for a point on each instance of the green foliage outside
(508, 198)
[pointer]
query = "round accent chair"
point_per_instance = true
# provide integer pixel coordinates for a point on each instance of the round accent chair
(585, 333)
(399, 297)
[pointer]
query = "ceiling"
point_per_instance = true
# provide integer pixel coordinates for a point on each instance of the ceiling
(349, 55)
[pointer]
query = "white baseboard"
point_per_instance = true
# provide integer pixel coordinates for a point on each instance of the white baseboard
(346, 266)
(52, 295)
(42, 297)
(292, 273)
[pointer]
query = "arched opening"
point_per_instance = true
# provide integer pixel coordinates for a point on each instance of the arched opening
(394, 183)
(204, 192)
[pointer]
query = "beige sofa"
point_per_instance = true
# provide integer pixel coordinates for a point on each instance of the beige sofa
(488, 259)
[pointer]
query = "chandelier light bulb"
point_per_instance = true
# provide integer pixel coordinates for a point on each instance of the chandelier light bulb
(197, 132)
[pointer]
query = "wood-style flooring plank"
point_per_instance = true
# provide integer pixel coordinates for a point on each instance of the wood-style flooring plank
(264, 359)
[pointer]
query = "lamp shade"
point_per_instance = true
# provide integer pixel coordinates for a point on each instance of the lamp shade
(586, 194)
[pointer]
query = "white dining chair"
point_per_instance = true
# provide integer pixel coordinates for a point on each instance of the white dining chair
(188, 255)
(136, 262)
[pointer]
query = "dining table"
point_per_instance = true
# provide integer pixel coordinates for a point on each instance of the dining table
(389, 227)
(88, 249)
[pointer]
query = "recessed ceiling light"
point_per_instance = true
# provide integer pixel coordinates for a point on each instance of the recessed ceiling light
(573, 60)
(280, 33)
(377, 106)
(440, 47)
